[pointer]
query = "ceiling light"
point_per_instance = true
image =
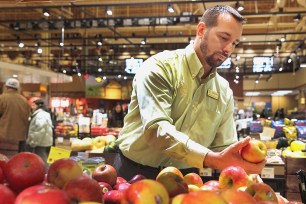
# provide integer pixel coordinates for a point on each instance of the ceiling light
(109, 11)
(144, 41)
(46, 12)
(170, 8)
(281, 93)
(297, 18)
(239, 6)
(39, 50)
(252, 94)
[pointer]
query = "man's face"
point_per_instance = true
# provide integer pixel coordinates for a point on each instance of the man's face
(218, 43)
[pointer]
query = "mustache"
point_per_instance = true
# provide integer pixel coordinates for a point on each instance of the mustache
(223, 54)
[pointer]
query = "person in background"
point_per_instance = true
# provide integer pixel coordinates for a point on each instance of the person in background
(181, 109)
(14, 114)
(116, 116)
(40, 134)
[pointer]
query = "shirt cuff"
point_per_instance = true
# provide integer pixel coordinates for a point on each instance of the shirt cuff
(196, 154)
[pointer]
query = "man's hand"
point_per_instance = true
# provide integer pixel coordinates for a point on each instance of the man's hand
(231, 157)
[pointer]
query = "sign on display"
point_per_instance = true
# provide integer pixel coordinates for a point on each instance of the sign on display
(132, 65)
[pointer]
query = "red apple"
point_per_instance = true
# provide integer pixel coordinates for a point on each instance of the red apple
(1, 176)
(42, 194)
(121, 186)
(236, 196)
(120, 180)
(173, 180)
(146, 191)
(6, 195)
(105, 187)
(83, 189)
(62, 171)
(192, 187)
(113, 197)
(136, 178)
(255, 151)
(213, 183)
(3, 160)
(199, 197)
(193, 178)
(23, 170)
(105, 173)
(262, 192)
(233, 177)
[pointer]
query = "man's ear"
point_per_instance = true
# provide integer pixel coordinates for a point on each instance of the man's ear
(201, 29)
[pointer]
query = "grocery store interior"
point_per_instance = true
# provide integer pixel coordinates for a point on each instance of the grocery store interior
(81, 56)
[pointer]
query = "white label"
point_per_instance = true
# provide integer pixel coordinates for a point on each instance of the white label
(72, 138)
(60, 139)
(205, 172)
(267, 173)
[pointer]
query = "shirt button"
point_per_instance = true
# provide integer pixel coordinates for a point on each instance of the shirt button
(193, 75)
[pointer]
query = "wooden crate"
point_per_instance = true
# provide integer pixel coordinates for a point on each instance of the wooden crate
(292, 165)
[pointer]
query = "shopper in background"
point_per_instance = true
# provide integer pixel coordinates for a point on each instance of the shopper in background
(115, 118)
(181, 109)
(40, 135)
(14, 114)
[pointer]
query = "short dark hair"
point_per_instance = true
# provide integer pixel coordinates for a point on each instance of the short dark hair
(210, 16)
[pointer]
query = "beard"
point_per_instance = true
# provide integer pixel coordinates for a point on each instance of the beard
(212, 60)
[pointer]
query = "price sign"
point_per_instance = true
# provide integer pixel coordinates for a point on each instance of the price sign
(205, 172)
(57, 153)
(267, 173)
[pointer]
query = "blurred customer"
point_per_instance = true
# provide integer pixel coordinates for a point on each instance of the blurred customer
(14, 114)
(40, 135)
(116, 117)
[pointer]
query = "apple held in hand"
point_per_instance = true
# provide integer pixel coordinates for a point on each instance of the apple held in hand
(255, 151)
(83, 189)
(146, 191)
(105, 173)
(173, 180)
(233, 177)
(193, 178)
(62, 171)
(262, 192)
(7, 196)
(23, 170)
(42, 194)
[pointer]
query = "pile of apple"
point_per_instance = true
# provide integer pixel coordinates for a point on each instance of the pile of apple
(24, 179)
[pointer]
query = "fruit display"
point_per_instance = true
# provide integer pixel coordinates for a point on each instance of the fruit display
(97, 144)
(66, 129)
(65, 182)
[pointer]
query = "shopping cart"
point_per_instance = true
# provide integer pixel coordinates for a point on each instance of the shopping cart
(301, 174)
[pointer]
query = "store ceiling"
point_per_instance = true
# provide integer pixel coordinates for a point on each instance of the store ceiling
(81, 24)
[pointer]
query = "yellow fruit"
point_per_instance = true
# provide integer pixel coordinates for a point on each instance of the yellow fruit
(297, 145)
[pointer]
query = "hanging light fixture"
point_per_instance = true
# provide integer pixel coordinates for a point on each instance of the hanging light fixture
(239, 6)
(46, 12)
(109, 11)
(170, 8)
(297, 18)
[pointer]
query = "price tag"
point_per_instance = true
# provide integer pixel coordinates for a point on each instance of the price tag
(57, 153)
(60, 139)
(267, 173)
(205, 172)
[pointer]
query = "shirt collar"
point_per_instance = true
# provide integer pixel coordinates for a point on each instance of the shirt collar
(194, 64)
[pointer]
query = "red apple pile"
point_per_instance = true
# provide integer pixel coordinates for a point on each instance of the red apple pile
(25, 180)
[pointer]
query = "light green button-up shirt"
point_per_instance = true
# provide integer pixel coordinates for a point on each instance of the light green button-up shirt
(175, 118)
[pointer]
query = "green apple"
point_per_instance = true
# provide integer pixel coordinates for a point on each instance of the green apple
(255, 151)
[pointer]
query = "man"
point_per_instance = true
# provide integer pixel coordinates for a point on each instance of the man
(14, 115)
(181, 109)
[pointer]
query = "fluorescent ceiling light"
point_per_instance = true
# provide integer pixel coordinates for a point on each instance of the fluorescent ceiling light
(252, 93)
(281, 93)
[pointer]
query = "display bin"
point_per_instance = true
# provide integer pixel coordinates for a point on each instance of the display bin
(277, 184)
(292, 165)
